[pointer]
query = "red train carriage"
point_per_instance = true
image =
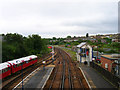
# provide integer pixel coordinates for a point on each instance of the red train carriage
(33, 59)
(29, 60)
(13, 66)
(25, 61)
(16, 65)
(5, 70)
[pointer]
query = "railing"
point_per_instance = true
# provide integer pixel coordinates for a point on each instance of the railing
(112, 78)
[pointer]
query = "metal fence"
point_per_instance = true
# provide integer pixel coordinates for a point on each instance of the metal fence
(112, 78)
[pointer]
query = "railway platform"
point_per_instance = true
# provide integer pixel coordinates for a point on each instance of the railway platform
(95, 79)
(38, 79)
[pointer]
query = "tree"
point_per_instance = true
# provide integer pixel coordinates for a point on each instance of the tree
(74, 36)
(87, 35)
(80, 40)
(16, 46)
(54, 38)
(68, 37)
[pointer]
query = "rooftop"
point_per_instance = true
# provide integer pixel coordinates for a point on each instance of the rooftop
(80, 45)
(111, 56)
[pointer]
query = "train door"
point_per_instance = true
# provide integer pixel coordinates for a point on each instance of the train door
(10, 67)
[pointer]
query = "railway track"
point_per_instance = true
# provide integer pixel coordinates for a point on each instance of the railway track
(16, 78)
(66, 75)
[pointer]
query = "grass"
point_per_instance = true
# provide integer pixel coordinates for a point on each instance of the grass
(71, 53)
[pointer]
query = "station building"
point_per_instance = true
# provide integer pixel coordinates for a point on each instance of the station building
(84, 52)
(111, 63)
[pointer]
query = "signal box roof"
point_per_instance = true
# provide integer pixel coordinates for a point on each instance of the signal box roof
(81, 44)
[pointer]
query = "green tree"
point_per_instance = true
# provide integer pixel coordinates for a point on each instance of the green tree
(68, 37)
(54, 38)
(16, 46)
(87, 35)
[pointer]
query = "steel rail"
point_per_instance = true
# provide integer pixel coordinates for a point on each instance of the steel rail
(79, 77)
(54, 75)
(63, 74)
(70, 79)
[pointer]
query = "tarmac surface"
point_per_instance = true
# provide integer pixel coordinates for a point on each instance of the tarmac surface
(38, 80)
(95, 79)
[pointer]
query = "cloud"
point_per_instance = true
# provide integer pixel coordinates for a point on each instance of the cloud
(57, 17)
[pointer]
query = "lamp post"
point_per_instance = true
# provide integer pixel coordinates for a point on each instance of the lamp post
(22, 77)
(118, 66)
(52, 54)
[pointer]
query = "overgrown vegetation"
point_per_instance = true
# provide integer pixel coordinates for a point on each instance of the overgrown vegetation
(15, 46)
(110, 47)
(107, 47)
(71, 53)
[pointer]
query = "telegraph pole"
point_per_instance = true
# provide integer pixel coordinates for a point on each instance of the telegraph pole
(22, 77)
(52, 54)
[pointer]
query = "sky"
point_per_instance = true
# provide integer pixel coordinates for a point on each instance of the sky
(58, 18)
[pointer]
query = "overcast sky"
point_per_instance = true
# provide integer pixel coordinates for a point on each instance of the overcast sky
(58, 18)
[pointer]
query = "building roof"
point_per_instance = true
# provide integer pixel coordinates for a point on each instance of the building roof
(111, 56)
(81, 44)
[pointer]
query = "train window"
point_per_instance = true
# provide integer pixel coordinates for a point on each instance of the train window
(0, 72)
(4, 70)
(34, 59)
(18, 65)
(8, 68)
(22, 63)
(14, 66)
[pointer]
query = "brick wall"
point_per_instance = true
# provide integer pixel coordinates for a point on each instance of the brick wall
(108, 62)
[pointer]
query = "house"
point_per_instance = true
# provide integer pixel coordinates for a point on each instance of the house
(103, 41)
(115, 40)
(111, 63)
(84, 53)
(93, 40)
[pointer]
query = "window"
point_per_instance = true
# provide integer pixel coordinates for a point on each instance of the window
(0, 72)
(4, 70)
(14, 66)
(18, 65)
(26, 61)
(83, 50)
(8, 68)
